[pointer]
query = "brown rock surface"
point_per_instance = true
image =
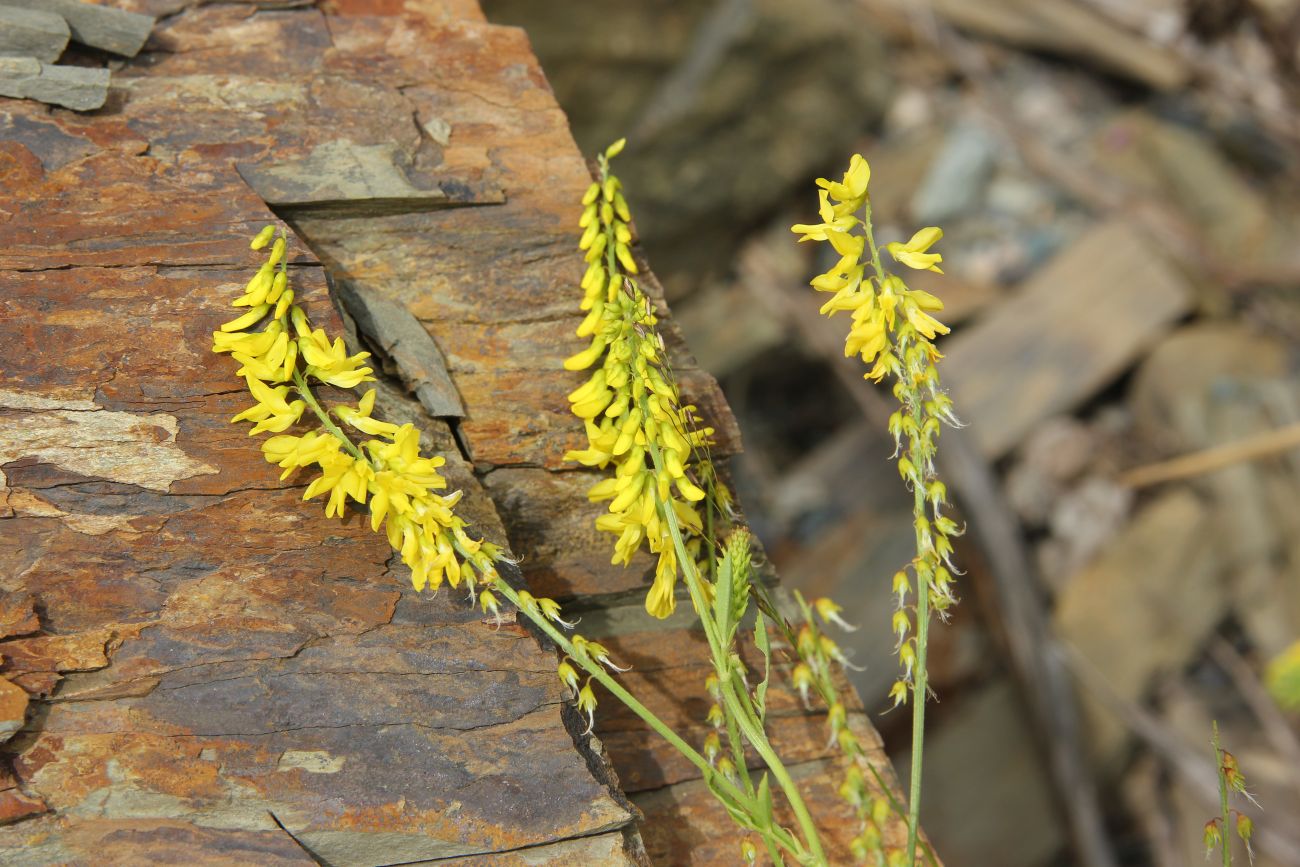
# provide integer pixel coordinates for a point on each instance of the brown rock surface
(218, 674)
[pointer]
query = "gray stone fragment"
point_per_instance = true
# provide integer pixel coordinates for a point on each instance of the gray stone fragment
(343, 177)
(114, 30)
(400, 336)
(73, 87)
(956, 181)
(32, 33)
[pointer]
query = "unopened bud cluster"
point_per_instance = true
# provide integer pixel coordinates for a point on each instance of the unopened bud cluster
(630, 405)
(1231, 780)
(814, 672)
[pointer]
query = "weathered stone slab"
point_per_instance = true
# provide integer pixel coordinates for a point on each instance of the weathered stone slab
(32, 33)
(552, 529)
(75, 87)
(13, 709)
(401, 338)
(342, 177)
(1159, 578)
(222, 675)
(1061, 338)
(99, 26)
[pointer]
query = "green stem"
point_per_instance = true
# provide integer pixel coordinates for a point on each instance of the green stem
(300, 384)
(919, 691)
(1225, 839)
(740, 799)
(920, 677)
(753, 732)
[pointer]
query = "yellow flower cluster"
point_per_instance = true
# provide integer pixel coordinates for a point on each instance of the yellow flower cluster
(630, 405)
(893, 331)
(386, 472)
(880, 303)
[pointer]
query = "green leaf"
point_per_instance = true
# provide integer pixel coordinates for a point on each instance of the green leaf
(764, 645)
(764, 802)
(722, 600)
(736, 810)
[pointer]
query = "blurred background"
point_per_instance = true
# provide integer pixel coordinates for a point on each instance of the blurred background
(1117, 183)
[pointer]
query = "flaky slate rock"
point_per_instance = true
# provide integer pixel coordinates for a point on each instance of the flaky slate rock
(32, 33)
(99, 26)
(214, 672)
(75, 87)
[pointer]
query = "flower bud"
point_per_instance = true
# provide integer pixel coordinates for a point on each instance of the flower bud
(587, 704)
(1245, 828)
(262, 238)
(712, 746)
(568, 676)
(802, 678)
(1211, 836)
(727, 768)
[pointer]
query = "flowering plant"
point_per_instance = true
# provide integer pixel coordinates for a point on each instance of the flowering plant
(892, 330)
(664, 493)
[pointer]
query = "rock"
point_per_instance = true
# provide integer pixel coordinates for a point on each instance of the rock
(956, 180)
(738, 103)
(74, 87)
(13, 709)
(15, 804)
(1174, 164)
(1144, 606)
(1074, 30)
(238, 677)
(18, 615)
(343, 177)
(1174, 391)
(1054, 454)
(1211, 384)
(401, 339)
(32, 33)
(978, 773)
(1080, 322)
(1083, 521)
(99, 26)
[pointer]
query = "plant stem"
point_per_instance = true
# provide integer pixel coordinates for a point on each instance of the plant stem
(920, 678)
(920, 687)
(300, 384)
(740, 798)
(1225, 840)
(726, 679)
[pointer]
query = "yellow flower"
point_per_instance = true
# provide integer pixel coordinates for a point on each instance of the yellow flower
(587, 704)
(851, 192)
(360, 419)
(832, 224)
(629, 405)
(342, 476)
(661, 600)
(913, 254)
(292, 452)
(251, 344)
(262, 238)
(568, 676)
(330, 362)
(271, 412)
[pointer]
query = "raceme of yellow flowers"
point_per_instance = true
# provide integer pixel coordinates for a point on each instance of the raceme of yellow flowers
(386, 471)
(892, 330)
(630, 405)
